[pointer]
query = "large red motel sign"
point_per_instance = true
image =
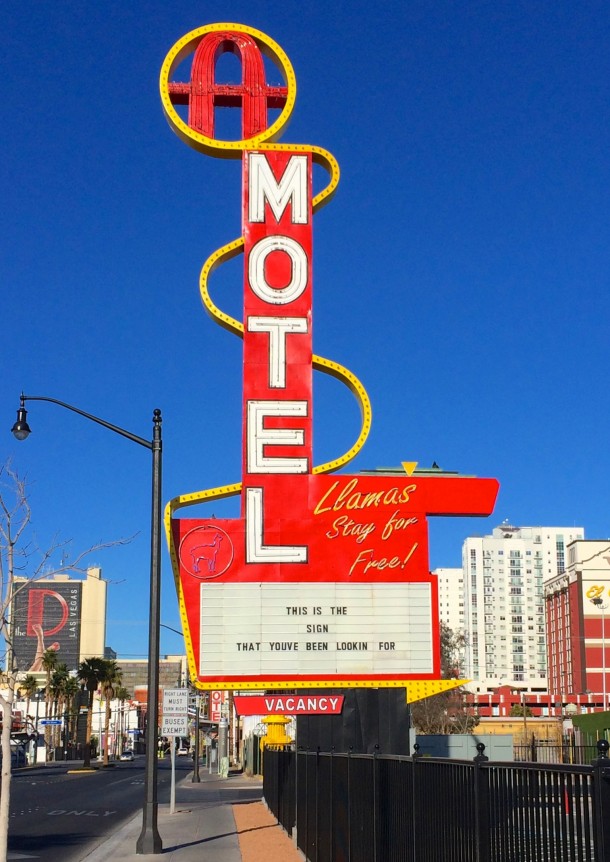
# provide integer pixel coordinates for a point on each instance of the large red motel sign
(324, 578)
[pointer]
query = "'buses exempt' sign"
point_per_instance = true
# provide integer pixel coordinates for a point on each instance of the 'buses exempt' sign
(323, 579)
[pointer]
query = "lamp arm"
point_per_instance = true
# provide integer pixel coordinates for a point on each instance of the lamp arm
(134, 437)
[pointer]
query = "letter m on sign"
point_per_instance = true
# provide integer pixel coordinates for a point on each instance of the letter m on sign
(264, 187)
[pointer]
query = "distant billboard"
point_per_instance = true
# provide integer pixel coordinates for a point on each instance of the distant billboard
(46, 616)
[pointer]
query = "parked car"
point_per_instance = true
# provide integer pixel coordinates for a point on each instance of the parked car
(182, 751)
(126, 755)
(18, 757)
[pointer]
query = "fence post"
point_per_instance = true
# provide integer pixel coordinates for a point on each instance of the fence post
(317, 808)
(331, 831)
(375, 803)
(307, 802)
(533, 750)
(349, 804)
(414, 801)
(481, 805)
(601, 800)
(295, 792)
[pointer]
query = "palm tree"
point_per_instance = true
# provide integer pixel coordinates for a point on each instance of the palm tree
(111, 679)
(28, 688)
(49, 663)
(90, 671)
(71, 689)
(56, 688)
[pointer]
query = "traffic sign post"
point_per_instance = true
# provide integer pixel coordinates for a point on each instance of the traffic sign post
(174, 723)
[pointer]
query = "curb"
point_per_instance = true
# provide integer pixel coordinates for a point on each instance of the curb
(108, 846)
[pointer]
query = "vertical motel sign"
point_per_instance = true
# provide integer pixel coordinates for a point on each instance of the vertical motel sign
(324, 578)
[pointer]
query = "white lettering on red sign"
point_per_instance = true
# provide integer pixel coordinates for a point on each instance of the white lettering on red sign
(326, 704)
(277, 432)
(278, 328)
(301, 704)
(256, 550)
(259, 437)
(256, 270)
(265, 188)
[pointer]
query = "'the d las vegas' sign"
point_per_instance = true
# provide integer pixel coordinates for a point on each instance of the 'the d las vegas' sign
(324, 579)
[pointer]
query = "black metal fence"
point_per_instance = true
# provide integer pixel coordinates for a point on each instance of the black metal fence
(541, 751)
(379, 808)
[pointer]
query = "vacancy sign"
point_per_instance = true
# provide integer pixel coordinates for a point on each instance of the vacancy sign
(289, 704)
(323, 580)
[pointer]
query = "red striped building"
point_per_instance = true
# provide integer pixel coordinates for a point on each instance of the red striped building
(577, 625)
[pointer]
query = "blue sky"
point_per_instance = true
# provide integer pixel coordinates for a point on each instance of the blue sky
(461, 271)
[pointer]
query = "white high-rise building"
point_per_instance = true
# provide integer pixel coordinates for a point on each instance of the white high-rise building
(451, 606)
(504, 603)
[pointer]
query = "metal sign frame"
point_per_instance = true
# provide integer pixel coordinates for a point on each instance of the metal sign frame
(323, 580)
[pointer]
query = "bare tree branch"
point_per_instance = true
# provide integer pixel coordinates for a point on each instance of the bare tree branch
(23, 562)
(446, 712)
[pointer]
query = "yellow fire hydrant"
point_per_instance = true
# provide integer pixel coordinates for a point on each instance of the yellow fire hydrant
(276, 734)
(276, 730)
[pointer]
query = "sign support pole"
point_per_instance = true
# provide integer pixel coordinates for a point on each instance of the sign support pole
(172, 795)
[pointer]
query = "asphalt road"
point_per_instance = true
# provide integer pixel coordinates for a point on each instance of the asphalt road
(61, 817)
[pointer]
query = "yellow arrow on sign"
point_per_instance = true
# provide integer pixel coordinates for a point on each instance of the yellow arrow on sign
(418, 689)
(409, 467)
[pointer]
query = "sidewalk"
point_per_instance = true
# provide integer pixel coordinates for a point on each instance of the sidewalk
(218, 820)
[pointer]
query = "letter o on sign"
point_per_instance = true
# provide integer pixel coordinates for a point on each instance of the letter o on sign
(256, 270)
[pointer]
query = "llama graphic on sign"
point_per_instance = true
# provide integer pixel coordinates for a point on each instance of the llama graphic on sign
(206, 552)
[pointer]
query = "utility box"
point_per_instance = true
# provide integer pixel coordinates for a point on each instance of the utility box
(463, 746)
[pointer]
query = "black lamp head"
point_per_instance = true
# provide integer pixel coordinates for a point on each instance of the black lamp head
(21, 429)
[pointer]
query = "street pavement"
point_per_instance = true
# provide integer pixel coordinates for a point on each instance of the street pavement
(201, 829)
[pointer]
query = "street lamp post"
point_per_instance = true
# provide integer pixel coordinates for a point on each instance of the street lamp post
(599, 603)
(149, 841)
(196, 778)
(39, 695)
(66, 731)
